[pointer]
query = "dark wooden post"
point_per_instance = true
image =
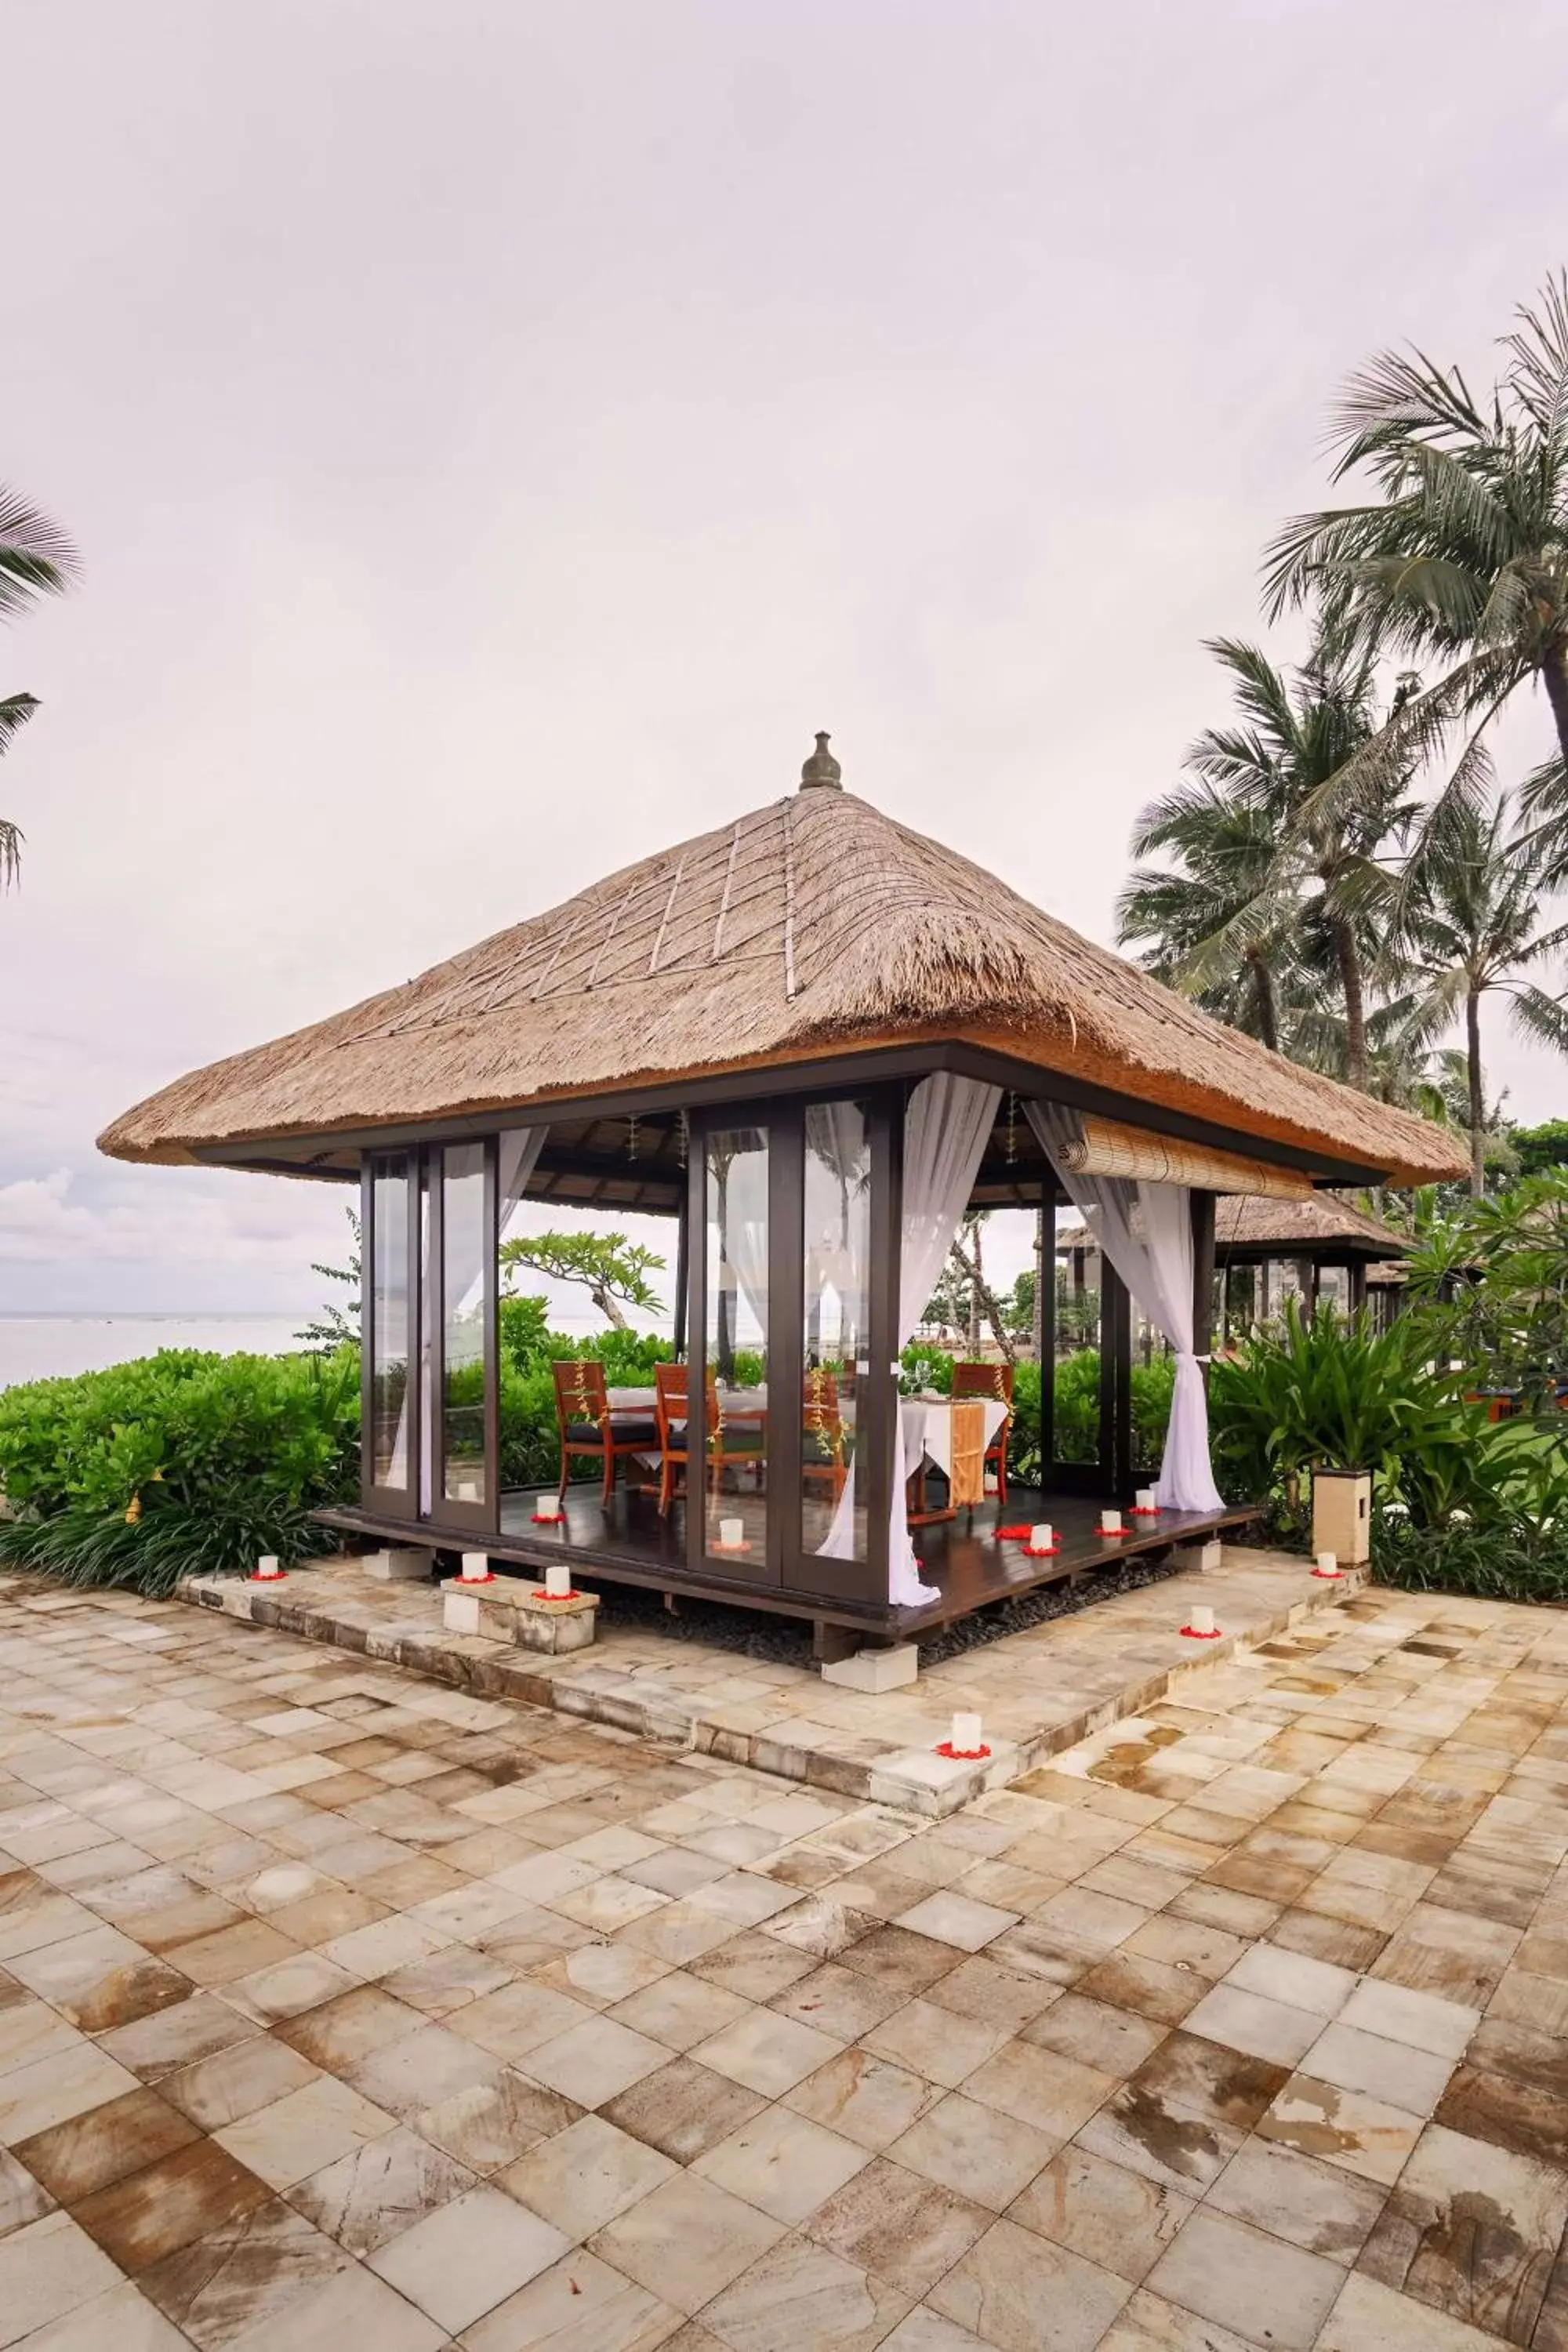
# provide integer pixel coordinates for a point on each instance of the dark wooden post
(1357, 1284)
(1046, 1326)
(696, 1351)
(1115, 1380)
(1203, 1275)
(682, 1259)
(878, 1399)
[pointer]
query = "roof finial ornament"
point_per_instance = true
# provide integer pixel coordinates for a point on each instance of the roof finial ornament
(822, 769)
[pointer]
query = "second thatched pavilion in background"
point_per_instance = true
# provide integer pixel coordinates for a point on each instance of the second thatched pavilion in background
(812, 1039)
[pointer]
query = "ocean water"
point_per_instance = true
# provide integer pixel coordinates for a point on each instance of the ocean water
(51, 1347)
(47, 1346)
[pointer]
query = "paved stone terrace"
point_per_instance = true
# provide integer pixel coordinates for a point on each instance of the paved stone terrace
(341, 2006)
(1037, 1691)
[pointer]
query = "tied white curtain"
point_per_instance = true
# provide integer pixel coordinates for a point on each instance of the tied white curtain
(945, 1128)
(1156, 1265)
(516, 1162)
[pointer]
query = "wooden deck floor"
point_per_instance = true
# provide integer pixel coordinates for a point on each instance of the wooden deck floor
(962, 1558)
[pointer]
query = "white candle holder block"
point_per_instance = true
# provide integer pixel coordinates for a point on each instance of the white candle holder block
(267, 1571)
(1328, 1567)
(1200, 1625)
(477, 1569)
(1111, 1523)
(964, 1742)
(1042, 1540)
(558, 1581)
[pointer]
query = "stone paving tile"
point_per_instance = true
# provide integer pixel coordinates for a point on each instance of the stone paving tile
(334, 2002)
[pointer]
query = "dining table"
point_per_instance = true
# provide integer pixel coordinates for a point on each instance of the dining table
(926, 1422)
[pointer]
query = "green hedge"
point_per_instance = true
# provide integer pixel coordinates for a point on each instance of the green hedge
(177, 1463)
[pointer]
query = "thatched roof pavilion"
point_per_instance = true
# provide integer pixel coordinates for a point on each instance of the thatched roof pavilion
(811, 1037)
(1246, 1231)
(813, 928)
(1312, 1236)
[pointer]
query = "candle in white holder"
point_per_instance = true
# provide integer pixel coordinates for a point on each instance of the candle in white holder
(550, 1508)
(1145, 1498)
(964, 1738)
(267, 1566)
(1328, 1564)
(1202, 1618)
(467, 1492)
(731, 1534)
(475, 1567)
(1042, 1537)
(1111, 1523)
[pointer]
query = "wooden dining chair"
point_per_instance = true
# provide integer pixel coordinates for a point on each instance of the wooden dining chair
(993, 1381)
(586, 1424)
(728, 1442)
(669, 1394)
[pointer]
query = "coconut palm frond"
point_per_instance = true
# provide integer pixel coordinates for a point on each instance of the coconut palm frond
(1541, 1018)
(15, 709)
(36, 558)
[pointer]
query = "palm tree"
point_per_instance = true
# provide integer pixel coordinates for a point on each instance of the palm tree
(1225, 850)
(1266, 874)
(1463, 556)
(37, 559)
(1469, 915)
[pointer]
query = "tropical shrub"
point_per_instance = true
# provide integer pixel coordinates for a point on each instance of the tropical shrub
(177, 1464)
(1320, 1392)
(1154, 1385)
(1492, 1277)
(1514, 1557)
(1077, 1408)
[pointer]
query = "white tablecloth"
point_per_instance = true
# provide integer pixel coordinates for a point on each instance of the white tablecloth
(928, 1428)
(733, 1401)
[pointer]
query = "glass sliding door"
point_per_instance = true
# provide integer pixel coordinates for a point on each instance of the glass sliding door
(728, 1488)
(390, 1449)
(465, 1221)
(836, 1332)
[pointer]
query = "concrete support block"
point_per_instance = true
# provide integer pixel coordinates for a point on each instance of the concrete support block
(1205, 1556)
(400, 1566)
(512, 1610)
(874, 1669)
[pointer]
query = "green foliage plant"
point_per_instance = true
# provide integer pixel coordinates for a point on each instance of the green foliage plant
(177, 1464)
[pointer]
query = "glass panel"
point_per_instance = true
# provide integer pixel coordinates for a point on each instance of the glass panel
(1335, 1289)
(736, 1341)
(1154, 1379)
(836, 1325)
(465, 1270)
(389, 1325)
(1076, 1410)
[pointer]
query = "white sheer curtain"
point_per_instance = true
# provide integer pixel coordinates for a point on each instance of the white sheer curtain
(516, 1162)
(745, 1233)
(1156, 1265)
(945, 1128)
(837, 1146)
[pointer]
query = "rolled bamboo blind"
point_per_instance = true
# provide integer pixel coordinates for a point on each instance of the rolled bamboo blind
(1108, 1149)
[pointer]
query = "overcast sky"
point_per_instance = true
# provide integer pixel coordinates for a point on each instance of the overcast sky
(498, 434)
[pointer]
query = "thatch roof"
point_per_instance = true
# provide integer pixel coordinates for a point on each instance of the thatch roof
(812, 926)
(1319, 1226)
